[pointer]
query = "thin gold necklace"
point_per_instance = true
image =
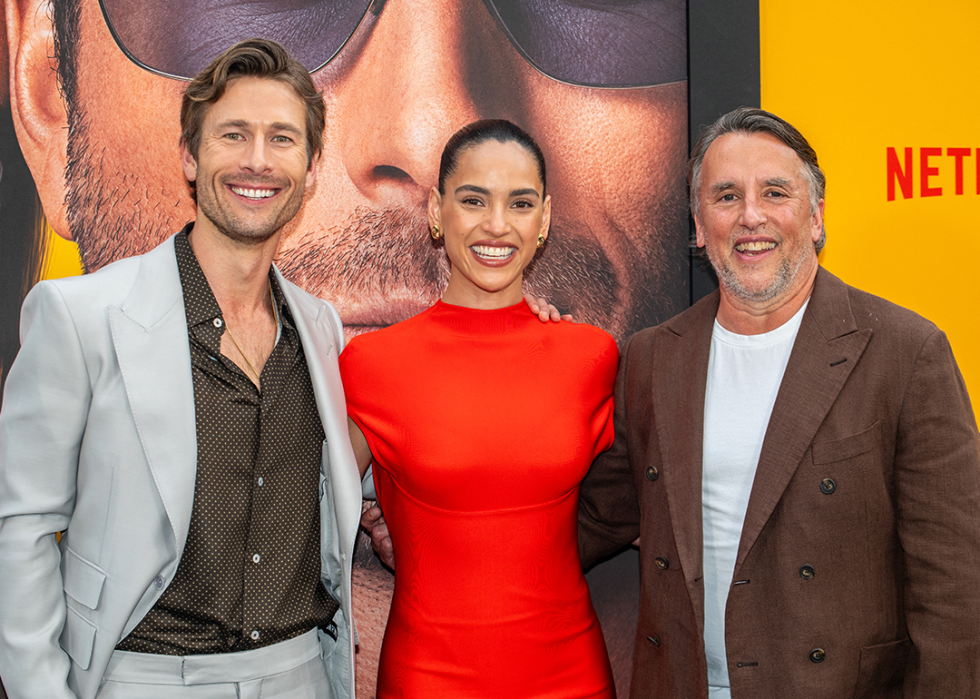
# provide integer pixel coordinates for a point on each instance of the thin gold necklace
(275, 312)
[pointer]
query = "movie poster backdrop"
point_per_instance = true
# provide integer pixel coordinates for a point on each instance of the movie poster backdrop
(89, 149)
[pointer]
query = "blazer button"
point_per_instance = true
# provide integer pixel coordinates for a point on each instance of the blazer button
(662, 563)
(807, 572)
(827, 486)
(654, 640)
(652, 473)
(817, 655)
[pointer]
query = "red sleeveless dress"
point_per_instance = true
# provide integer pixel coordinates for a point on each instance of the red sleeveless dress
(482, 424)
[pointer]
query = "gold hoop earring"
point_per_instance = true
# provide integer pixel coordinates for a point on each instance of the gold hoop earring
(540, 241)
(435, 232)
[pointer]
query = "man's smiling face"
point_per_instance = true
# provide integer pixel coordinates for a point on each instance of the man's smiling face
(252, 168)
(755, 220)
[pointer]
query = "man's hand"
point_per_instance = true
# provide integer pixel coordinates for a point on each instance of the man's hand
(374, 523)
(545, 311)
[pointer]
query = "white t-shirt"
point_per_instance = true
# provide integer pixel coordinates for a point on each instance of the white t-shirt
(744, 375)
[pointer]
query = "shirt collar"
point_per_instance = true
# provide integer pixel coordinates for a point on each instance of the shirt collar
(200, 305)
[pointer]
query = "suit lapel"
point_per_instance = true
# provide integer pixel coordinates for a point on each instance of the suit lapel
(317, 345)
(826, 350)
(322, 345)
(149, 332)
(678, 404)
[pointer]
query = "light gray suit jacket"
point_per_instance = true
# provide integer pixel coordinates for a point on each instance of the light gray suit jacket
(98, 437)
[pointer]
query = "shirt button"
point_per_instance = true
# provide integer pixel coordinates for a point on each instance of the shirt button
(256, 558)
(158, 582)
(261, 480)
(255, 635)
(218, 322)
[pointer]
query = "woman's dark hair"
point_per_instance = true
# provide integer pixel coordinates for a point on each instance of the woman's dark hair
(482, 131)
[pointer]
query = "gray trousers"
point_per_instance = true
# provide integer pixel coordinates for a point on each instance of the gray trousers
(292, 669)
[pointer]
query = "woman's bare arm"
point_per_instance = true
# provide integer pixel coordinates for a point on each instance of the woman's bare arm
(362, 453)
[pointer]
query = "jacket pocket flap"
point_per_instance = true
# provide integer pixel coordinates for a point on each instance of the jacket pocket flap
(846, 448)
(83, 580)
(79, 638)
(881, 668)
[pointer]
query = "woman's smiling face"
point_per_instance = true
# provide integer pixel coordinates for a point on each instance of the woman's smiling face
(493, 210)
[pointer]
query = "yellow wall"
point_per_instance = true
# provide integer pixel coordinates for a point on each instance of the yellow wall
(857, 78)
(61, 258)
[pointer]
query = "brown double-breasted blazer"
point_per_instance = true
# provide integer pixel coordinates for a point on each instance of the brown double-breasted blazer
(858, 571)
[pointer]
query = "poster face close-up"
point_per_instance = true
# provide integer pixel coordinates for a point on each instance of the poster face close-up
(90, 153)
(100, 135)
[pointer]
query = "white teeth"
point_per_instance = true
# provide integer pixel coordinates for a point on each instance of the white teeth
(253, 193)
(755, 246)
(491, 252)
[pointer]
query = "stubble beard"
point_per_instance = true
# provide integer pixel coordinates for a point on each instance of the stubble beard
(388, 254)
(237, 228)
(111, 215)
(786, 274)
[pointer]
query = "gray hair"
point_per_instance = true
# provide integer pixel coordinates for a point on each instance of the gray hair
(750, 120)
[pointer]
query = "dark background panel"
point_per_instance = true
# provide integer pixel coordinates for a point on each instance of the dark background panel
(723, 73)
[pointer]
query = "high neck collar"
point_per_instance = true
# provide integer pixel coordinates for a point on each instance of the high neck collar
(477, 321)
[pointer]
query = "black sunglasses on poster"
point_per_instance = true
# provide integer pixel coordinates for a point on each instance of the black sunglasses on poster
(593, 43)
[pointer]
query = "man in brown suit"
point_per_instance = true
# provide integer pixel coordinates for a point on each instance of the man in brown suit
(800, 459)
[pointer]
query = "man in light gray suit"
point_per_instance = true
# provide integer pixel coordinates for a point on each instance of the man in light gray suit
(179, 418)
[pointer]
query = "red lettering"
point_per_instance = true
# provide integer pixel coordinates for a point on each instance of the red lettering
(925, 172)
(897, 174)
(959, 154)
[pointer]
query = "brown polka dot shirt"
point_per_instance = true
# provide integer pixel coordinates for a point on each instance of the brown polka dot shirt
(250, 572)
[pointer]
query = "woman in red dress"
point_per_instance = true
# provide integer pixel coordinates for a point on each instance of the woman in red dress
(481, 421)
